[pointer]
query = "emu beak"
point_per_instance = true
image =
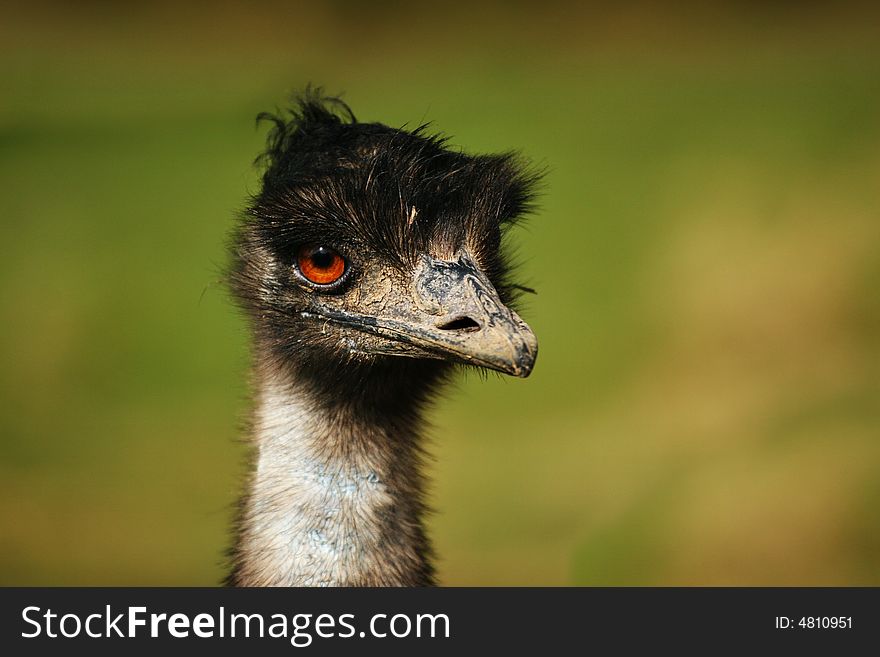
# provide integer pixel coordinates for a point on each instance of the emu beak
(463, 317)
(454, 313)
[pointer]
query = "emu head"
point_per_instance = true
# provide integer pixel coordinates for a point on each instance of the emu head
(368, 243)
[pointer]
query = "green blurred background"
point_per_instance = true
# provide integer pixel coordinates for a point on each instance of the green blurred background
(706, 405)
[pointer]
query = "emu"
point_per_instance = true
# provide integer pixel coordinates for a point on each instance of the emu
(368, 265)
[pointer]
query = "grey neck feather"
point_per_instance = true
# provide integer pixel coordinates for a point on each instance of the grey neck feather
(334, 499)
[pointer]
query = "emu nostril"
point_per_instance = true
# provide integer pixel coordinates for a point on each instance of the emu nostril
(458, 323)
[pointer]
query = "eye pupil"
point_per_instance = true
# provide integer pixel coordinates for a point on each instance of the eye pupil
(322, 257)
(321, 265)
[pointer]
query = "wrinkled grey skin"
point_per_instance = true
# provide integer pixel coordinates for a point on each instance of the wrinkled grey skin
(445, 308)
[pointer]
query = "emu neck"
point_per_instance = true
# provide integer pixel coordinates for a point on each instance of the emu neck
(335, 498)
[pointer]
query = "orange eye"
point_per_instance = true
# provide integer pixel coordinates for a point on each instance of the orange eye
(320, 265)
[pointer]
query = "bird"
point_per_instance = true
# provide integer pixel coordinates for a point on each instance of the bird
(369, 266)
